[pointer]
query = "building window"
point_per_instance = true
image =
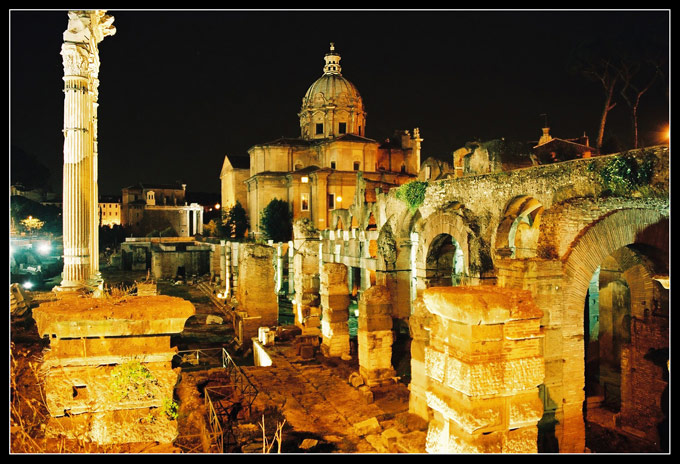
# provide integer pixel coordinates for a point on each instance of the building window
(332, 164)
(359, 131)
(319, 128)
(357, 165)
(342, 128)
(304, 202)
(331, 201)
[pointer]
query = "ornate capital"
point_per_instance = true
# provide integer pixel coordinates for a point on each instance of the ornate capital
(75, 58)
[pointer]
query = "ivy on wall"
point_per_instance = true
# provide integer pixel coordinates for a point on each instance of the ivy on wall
(413, 194)
(624, 175)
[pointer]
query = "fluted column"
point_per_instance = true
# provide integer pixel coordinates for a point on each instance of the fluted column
(80, 203)
(77, 169)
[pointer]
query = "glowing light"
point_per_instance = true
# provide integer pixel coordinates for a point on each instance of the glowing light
(217, 206)
(304, 179)
(44, 248)
(339, 199)
(27, 285)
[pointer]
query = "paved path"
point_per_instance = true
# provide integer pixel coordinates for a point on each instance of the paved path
(316, 397)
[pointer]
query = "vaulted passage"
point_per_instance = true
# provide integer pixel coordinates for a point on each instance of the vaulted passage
(626, 330)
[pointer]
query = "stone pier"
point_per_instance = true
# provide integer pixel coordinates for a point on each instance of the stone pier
(334, 310)
(375, 337)
(306, 276)
(81, 80)
(108, 371)
(256, 291)
(484, 366)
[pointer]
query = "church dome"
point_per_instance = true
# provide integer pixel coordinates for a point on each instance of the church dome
(332, 105)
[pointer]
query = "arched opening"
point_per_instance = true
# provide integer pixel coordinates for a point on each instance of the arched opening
(626, 352)
(607, 329)
(444, 262)
(518, 231)
(616, 283)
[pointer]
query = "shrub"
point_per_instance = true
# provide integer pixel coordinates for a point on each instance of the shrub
(131, 380)
(413, 194)
(235, 221)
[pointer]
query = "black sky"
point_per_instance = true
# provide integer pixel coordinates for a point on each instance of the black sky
(180, 89)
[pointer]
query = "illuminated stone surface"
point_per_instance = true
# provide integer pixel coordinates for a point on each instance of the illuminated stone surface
(484, 366)
(375, 337)
(256, 292)
(334, 310)
(80, 192)
(90, 338)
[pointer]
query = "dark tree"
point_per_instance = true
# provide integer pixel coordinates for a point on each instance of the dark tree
(276, 221)
(235, 221)
(625, 58)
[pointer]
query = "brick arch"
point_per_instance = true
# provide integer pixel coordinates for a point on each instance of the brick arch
(597, 241)
(637, 270)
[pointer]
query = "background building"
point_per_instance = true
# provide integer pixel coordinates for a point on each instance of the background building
(109, 211)
(160, 209)
(316, 173)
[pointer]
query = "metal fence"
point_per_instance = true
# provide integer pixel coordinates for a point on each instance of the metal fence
(227, 403)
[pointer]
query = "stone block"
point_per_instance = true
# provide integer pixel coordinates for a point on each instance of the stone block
(335, 316)
(521, 440)
(335, 302)
(524, 410)
(480, 305)
(367, 427)
(384, 309)
(333, 273)
(98, 317)
(374, 323)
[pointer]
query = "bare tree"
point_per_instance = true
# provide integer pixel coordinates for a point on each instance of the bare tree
(636, 79)
(607, 74)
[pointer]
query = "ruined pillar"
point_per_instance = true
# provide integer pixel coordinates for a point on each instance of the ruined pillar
(108, 375)
(80, 204)
(306, 275)
(419, 325)
(484, 366)
(562, 428)
(256, 290)
(334, 310)
(374, 336)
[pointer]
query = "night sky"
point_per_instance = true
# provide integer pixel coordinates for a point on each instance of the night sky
(180, 89)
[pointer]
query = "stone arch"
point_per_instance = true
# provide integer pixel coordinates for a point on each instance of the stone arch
(444, 232)
(518, 230)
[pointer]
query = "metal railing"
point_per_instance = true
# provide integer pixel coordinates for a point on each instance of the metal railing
(225, 403)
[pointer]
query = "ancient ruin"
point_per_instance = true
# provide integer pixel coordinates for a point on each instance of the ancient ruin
(108, 374)
(513, 295)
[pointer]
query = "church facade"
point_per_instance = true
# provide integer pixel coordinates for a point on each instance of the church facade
(316, 173)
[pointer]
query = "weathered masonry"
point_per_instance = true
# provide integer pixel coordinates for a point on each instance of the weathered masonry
(585, 242)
